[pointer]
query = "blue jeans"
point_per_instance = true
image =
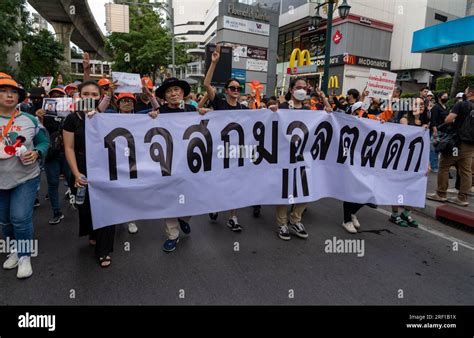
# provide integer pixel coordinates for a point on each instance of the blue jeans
(16, 212)
(53, 169)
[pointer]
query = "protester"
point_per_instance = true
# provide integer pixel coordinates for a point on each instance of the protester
(352, 97)
(173, 92)
(55, 163)
(20, 175)
(463, 124)
(418, 116)
(143, 101)
(75, 149)
(232, 101)
(296, 96)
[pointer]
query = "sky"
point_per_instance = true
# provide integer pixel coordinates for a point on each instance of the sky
(97, 8)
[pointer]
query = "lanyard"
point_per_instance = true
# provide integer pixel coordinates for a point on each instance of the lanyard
(8, 126)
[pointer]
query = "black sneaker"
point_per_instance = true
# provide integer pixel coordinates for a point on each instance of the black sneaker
(234, 225)
(184, 226)
(56, 219)
(256, 211)
(46, 197)
(213, 216)
(298, 229)
(284, 233)
(37, 203)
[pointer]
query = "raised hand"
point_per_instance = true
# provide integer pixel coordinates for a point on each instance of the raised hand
(216, 54)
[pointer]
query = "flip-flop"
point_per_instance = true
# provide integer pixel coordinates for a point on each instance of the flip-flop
(103, 260)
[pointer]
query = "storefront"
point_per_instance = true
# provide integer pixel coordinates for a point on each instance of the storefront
(358, 44)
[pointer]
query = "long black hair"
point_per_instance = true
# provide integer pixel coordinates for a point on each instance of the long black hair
(292, 84)
(423, 116)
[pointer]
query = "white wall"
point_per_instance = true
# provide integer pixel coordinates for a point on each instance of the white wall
(454, 7)
(409, 16)
(192, 10)
(375, 9)
(355, 77)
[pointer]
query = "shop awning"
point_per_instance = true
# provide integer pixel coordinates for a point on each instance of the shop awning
(456, 36)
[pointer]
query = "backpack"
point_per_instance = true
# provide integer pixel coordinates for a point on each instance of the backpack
(55, 146)
(466, 130)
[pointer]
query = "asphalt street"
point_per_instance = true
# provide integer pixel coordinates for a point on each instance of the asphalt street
(398, 266)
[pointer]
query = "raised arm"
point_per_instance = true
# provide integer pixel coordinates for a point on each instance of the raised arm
(87, 66)
(210, 73)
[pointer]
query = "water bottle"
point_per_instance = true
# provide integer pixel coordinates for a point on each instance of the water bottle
(81, 193)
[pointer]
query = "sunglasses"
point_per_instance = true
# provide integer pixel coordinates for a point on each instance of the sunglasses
(126, 100)
(234, 89)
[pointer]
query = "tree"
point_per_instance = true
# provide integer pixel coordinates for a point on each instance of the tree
(41, 55)
(76, 53)
(146, 48)
(13, 27)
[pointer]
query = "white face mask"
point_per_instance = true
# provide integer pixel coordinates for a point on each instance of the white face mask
(244, 103)
(300, 94)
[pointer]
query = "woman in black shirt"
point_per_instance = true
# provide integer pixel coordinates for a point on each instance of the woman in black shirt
(75, 150)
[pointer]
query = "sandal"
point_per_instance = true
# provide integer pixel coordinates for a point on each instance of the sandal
(105, 262)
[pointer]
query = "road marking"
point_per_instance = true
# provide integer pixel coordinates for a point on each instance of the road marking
(434, 232)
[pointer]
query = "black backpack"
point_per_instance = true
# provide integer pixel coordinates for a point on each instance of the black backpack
(466, 130)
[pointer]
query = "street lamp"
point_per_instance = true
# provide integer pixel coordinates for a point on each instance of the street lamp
(316, 20)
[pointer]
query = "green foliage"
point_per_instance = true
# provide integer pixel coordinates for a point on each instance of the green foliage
(147, 47)
(13, 27)
(445, 83)
(41, 55)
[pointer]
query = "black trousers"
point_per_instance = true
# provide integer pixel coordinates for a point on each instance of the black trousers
(350, 209)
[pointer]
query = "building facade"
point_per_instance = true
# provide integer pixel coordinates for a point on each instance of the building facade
(251, 30)
(376, 34)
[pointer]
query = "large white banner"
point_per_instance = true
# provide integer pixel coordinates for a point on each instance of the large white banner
(185, 164)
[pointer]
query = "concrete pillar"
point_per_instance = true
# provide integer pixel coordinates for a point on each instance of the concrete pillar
(63, 33)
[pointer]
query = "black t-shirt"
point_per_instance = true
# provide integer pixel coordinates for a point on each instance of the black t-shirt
(438, 115)
(462, 110)
(220, 103)
(76, 125)
(140, 105)
(167, 109)
(285, 105)
(52, 123)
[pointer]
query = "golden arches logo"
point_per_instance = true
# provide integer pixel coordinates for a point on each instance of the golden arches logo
(302, 55)
(333, 82)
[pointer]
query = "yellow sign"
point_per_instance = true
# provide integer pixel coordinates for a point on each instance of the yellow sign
(302, 57)
(333, 82)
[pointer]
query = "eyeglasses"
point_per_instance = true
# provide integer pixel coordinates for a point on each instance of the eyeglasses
(234, 89)
(126, 100)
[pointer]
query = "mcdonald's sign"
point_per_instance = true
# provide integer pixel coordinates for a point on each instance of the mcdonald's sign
(333, 82)
(349, 59)
(304, 59)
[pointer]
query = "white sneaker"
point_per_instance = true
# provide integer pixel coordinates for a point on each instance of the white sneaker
(24, 267)
(355, 221)
(132, 228)
(11, 262)
(349, 226)
(452, 191)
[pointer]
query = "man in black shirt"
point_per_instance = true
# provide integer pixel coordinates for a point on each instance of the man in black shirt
(461, 156)
(353, 96)
(174, 91)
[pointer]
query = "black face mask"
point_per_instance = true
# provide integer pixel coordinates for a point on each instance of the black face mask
(444, 100)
